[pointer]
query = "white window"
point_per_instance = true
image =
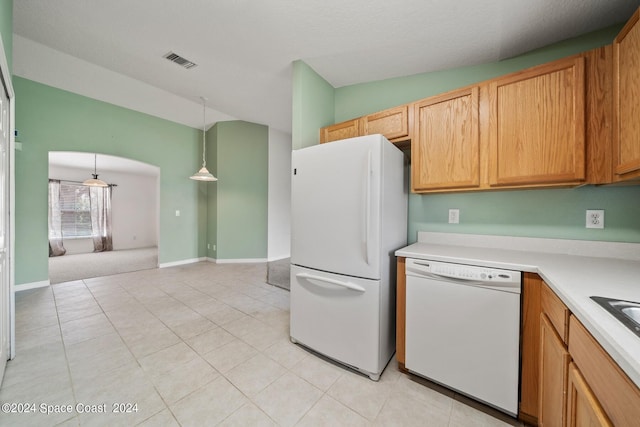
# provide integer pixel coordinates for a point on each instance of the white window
(75, 209)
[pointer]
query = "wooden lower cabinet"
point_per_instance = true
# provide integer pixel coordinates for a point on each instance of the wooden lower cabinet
(612, 388)
(530, 351)
(576, 381)
(583, 409)
(554, 363)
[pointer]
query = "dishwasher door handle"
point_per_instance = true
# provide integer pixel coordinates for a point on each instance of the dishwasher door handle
(497, 285)
(433, 276)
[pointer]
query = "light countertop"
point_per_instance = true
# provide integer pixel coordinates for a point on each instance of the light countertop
(568, 267)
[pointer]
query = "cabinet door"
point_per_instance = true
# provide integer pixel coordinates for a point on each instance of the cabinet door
(537, 126)
(392, 123)
(530, 353)
(614, 390)
(557, 313)
(445, 144)
(626, 110)
(348, 129)
(554, 361)
(583, 409)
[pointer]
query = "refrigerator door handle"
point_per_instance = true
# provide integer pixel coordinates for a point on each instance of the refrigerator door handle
(367, 219)
(340, 283)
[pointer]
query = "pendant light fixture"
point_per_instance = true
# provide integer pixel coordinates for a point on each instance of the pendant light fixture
(95, 182)
(203, 174)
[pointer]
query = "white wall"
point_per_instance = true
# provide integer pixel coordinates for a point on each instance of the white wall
(134, 206)
(279, 205)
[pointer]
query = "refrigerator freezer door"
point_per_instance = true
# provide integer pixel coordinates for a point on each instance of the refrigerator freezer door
(338, 316)
(335, 207)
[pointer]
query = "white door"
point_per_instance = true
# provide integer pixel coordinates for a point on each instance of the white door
(6, 204)
(335, 207)
(5, 319)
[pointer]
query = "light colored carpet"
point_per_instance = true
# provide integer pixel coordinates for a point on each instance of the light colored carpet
(278, 273)
(67, 268)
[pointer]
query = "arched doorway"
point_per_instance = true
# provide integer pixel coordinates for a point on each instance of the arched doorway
(134, 215)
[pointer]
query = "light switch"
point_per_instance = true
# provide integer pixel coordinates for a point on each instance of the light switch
(177, 213)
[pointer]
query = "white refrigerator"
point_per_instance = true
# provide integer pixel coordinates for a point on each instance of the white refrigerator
(349, 215)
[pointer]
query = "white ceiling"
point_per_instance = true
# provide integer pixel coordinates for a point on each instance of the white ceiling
(103, 163)
(244, 48)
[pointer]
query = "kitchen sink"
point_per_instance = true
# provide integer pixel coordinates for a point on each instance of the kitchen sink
(633, 313)
(627, 312)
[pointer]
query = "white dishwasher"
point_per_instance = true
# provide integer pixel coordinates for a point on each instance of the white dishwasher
(463, 329)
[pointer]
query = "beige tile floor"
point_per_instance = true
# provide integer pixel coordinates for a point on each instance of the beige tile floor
(198, 345)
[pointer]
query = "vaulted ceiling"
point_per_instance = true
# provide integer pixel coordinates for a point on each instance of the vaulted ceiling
(113, 50)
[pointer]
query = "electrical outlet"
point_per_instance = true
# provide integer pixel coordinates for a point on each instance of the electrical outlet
(454, 216)
(595, 218)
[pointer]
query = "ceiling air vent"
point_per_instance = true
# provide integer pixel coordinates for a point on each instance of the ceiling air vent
(174, 57)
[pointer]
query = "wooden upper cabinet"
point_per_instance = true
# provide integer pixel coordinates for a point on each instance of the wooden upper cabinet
(392, 123)
(537, 126)
(348, 129)
(445, 145)
(626, 100)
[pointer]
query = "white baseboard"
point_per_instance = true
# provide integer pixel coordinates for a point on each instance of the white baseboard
(278, 258)
(32, 285)
(241, 261)
(181, 262)
(213, 260)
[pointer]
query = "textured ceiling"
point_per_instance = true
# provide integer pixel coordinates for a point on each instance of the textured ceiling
(244, 48)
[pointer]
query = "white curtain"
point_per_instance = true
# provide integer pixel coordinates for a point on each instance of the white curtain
(56, 247)
(101, 218)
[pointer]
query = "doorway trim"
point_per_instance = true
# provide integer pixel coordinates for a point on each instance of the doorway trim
(10, 274)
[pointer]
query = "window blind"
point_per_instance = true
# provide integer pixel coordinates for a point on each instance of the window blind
(75, 208)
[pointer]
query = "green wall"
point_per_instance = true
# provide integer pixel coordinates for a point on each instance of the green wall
(212, 194)
(558, 213)
(358, 100)
(555, 213)
(313, 103)
(238, 208)
(50, 119)
(6, 29)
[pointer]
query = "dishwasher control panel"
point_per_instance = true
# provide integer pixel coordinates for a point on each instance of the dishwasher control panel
(460, 271)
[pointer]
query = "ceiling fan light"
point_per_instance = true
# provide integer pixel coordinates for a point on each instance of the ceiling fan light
(203, 175)
(95, 182)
